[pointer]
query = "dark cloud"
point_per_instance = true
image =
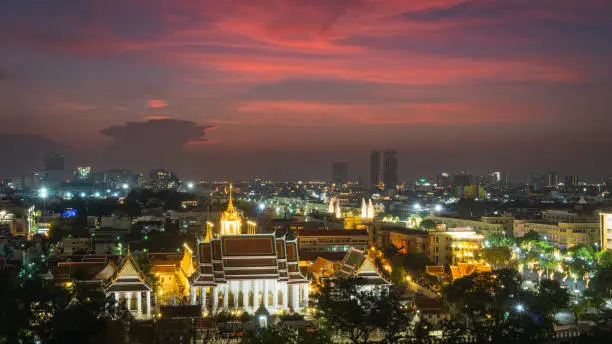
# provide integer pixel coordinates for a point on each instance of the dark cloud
(23, 153)
(156, 142)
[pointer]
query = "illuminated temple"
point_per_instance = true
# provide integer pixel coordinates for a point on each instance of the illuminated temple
(237, 271)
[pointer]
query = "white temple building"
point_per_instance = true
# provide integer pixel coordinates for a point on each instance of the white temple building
(246, 271)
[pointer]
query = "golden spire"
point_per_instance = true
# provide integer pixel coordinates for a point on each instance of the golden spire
(230, 219)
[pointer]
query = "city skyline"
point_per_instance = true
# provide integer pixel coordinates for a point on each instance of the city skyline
(282, 89)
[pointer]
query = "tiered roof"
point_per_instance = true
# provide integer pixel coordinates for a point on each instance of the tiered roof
(357, 263)
(128, 277)
(247, 256)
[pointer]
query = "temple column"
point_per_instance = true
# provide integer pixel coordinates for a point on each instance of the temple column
(192, 295)
(256, 295)
(245, 296)
(295, 297)
(265, 293)
(116, 298)
(215, 299)
(139, 303)
(285, 296)
(148, 303)
(226, 295)
(236, 293)
(275, 303)
(306, 293)
(128, 300)
(203, 299)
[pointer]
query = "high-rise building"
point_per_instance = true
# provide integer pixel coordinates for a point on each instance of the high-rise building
(495, 178)
(571, 181)
(340, 172)
(553, 178)
(54, 170)
(538, 181)
(82, 173)
(462, 179)
(375, 169)
(390, 168)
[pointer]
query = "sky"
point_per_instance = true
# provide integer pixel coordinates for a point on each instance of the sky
(282, 88)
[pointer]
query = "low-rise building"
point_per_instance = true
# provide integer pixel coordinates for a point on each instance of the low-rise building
(451, 247)
(562, 234)
(605, 222)
(486, 225)
(331, 240)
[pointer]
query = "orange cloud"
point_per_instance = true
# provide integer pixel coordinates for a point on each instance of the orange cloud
(155, 103)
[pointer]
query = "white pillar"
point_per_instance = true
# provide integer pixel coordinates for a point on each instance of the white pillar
(285, 296)
(192, 295)
(294, 297)
(245, 296)
(236, 293)
(226, 295)
(148, 303)
(215, 299)
(306, 293)
(256, 295)
(128, 300)
(139, 303)
(203, 299)
(265, 293)
(116, 298)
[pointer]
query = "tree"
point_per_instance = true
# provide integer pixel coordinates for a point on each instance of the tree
(497, 256)
(496, 309)
(350, 310)
(428, 224)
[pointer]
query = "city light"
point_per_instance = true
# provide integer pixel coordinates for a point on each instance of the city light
(190, 185)
(43, 193)
(125, 186)
(438, 208)
(416, 206)
(520, 308)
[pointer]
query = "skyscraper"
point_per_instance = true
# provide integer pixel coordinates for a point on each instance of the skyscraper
(375, 167)
(54, 170)
(390, 168)
(553, 178)
(340, 172)
(462, 179)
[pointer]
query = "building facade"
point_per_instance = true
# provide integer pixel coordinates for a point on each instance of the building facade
(246, 272)
(451, 247)
(605, 222)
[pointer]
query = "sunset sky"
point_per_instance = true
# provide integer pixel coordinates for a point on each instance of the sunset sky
(283, 88)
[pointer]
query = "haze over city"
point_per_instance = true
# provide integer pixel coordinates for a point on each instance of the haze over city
(280, 89)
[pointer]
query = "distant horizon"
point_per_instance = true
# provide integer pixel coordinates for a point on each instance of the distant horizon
(515, 178)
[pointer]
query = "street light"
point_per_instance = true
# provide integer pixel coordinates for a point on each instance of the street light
(520, 308)
(438, 208)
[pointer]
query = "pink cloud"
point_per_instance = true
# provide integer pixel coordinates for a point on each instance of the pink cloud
(317, 113)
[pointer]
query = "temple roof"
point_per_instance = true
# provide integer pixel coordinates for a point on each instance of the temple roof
(129, 277)
(247, 256)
